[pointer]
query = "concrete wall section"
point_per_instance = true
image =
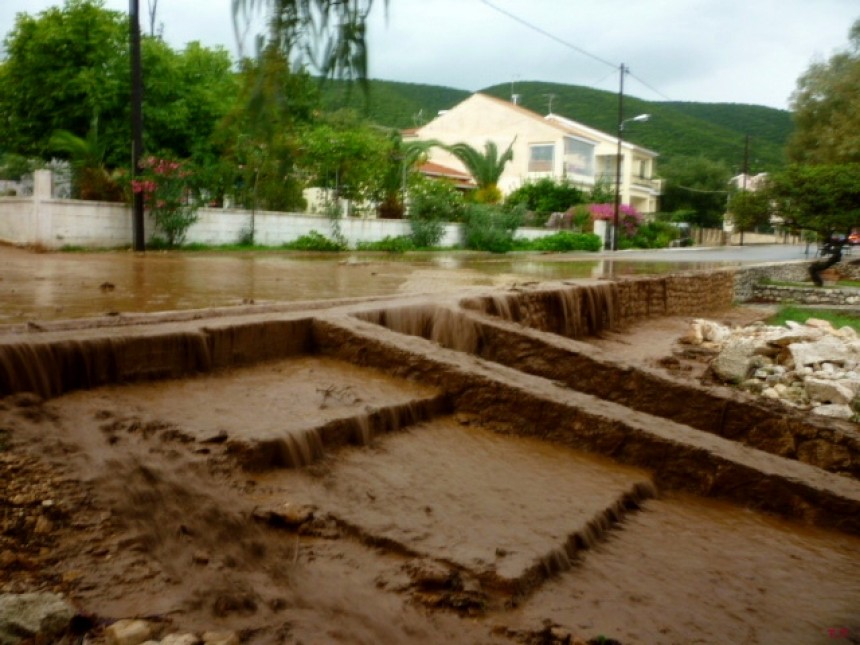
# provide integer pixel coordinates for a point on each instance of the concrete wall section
(16, 220)
(59, 223)
(66, 222)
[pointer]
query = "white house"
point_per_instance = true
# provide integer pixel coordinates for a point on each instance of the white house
(544, 146)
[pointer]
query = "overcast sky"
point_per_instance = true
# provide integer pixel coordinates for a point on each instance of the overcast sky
(737, 51)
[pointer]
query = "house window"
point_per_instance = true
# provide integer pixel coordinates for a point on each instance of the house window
(578, 157)
(542, 157)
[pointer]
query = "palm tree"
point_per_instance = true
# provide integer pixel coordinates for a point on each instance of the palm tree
(90, 178)
(403, 159)
(486, 168)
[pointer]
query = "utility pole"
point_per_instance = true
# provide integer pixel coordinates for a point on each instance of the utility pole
(622, 70)
(745, 172)
(139, 243)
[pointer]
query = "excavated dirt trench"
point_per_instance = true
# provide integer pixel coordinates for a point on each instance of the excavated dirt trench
(452, 470)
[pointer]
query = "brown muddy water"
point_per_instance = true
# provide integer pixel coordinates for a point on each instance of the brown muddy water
(419, 469)
(50, 286)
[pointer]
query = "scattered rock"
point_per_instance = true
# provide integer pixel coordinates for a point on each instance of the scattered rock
(180, 639)
(220, 638)
(828, 391)
(830, 349)
(40, 617)
(811, 367)
(733, 363)
(834, 411)
(129, 632)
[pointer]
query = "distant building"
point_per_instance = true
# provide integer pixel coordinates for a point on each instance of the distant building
(544, 146)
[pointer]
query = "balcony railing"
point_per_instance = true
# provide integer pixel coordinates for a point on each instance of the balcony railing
(655, 185)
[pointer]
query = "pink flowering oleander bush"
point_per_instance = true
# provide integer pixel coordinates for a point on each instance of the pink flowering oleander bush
(164, 184)
(629, 219)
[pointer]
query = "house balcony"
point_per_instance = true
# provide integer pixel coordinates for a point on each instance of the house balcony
(653, 186)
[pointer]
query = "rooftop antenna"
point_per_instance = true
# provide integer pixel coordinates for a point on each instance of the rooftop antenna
(515, 98)
(550, 97)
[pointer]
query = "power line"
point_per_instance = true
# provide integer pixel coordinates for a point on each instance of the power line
(533, 27)
(699, 190)
(567, 44)
(656, 91)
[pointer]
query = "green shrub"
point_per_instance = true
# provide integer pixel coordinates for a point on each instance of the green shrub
(545, 196)
(314, 241)
(426, 233)
(650, 235)
(388, 244)
(490, 228)
(562, 242)
(432, 203)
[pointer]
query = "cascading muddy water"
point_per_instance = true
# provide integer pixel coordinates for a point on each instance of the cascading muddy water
(562, 558)
(438, 324)
(575, 312)
(297, 449)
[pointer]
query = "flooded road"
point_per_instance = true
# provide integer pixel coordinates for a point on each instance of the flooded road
(51, 286)
(331, 476)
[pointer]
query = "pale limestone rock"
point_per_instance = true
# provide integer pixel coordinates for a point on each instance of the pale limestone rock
(714, 332)
(834, 411)
(770, 393)
(828, 391)
(781, 337)
(847, 333)
(128, 631)
(733, 364)
(180, 639)
(220, 638)
(827, 350)
(817, 323)
(693, 336)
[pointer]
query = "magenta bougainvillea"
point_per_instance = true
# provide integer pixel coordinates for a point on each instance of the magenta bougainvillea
(164, 185)
(628, 217)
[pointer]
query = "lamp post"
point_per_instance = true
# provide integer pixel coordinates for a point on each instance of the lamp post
(621, 122)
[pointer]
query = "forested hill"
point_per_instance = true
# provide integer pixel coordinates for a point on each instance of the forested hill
(716, 131)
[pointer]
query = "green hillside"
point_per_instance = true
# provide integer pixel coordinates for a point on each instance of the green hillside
(392, 104)
(714, 130)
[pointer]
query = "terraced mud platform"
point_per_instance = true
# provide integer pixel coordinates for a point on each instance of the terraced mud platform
(465, 469)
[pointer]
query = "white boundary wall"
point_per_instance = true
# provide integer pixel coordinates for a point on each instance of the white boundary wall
(48, 223)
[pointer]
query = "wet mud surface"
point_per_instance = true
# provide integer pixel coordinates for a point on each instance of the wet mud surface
(377, 486)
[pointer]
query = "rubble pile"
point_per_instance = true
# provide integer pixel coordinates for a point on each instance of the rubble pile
(810, 366)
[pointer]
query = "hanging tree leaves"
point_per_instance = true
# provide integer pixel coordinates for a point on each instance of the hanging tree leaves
(327, 35)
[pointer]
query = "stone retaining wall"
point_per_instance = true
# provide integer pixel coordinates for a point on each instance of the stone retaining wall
(806, 295)
(747, 279)
(751, 284)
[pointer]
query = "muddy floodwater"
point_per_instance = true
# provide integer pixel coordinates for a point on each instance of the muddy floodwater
(412, 462)
(49, 286)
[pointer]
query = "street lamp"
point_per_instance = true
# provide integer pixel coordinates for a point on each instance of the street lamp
(638, 118)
